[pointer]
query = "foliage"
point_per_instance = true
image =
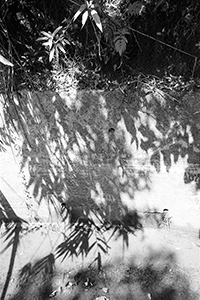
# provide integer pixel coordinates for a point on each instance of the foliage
(104, 36)
(11, 235)
(53, 43)
(78, 159)
(4, 61)
(120, 41)
(89, 9)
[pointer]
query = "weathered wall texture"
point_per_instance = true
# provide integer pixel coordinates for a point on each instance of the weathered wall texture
(90, 147)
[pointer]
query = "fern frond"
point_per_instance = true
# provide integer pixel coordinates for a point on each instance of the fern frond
(120, 41)
(136, 8)
(110, 28)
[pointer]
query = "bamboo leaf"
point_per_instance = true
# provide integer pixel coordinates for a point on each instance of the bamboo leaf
(48, 44)
(91, 246)
(6, 62)
(56, 31)
(130, 124)
(102, 249)
(51, 54)
(96, 19)
(84, 18)
(79, 11)
(57, 53)
(49, 35)
(60, 47)
(44, 38)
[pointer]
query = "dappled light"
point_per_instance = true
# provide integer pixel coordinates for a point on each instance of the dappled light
(71, 149)
(36, 279)
(80, 155)
(99, 150)
(156, 277)
(11, 235)
(79, 151)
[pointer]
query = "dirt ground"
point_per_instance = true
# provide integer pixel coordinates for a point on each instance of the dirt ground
(181, 241)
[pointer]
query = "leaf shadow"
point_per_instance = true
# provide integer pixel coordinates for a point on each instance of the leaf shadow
(34, 280)
(77, 150)
(13, 228)
(157, 277)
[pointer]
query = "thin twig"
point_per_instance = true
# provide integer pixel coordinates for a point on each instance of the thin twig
(194, 66)
(161, 42)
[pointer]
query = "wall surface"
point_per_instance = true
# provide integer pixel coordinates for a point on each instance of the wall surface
(87, 148)
(81, 120)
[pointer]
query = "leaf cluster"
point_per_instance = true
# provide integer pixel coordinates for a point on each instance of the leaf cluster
(109, 38)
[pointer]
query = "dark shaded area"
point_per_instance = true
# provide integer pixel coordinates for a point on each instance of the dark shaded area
(168, 30)
(158, 277)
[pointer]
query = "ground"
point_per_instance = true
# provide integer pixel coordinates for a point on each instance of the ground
(180, 243)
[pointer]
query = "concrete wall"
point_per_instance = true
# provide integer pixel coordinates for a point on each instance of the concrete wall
(163, 189)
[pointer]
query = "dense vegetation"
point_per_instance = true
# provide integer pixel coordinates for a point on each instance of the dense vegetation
(99, 41)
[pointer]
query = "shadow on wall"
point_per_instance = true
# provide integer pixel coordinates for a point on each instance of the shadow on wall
(157, 278)
(77, 152)
(13, 227)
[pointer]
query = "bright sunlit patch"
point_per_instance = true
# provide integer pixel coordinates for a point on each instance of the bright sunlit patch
(97, 194)
(70, 99)
(92, 145)
(152, 123)
(189, 133)
(64, 139)
(141, 184)
(127, 135)
(91, 132)
(103, 110)
(54, 99)
(127, 200)
(81, 142)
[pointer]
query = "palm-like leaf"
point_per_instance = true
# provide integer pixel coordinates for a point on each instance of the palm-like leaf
(44, 265)
(78, 241)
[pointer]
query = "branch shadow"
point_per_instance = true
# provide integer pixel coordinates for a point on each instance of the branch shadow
(79, 161)
(13, 228)
(76, 151)
(35, 280)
